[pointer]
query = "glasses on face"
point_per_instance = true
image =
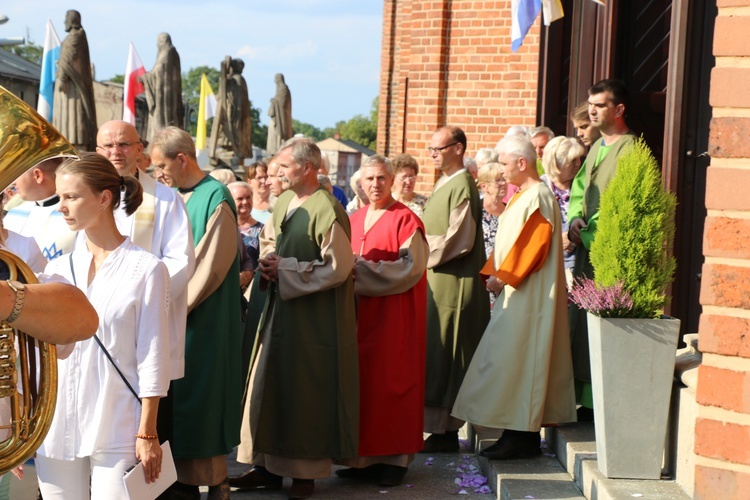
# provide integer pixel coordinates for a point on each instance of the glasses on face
(440, 150)
(406, 178)
(261, 178)
(501, 181)
(110, 148)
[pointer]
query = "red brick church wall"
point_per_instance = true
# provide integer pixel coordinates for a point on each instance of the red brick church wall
(446, 62)
(722, 440)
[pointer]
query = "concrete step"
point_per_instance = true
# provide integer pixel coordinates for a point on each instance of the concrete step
(541, 477)
(575, 447)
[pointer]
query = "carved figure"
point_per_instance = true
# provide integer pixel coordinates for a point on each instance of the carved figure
(232, 127)
(163, 86)
(74, 110)
(280, 112)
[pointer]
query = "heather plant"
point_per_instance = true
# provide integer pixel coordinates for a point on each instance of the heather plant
(606, 302)
(634, 233)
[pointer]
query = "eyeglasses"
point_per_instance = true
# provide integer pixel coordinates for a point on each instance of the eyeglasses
(261, 177)
(110, 148)
(406, 178)
(440, 150)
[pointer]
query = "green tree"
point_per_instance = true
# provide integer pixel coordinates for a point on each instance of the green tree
(361, 129)
(118, 79)
(308, 130)
(260, 131)
(29, 51)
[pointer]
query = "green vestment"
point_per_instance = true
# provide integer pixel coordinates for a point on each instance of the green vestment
(208, 400)
(310, 401)
(596, 179)
(458, 306)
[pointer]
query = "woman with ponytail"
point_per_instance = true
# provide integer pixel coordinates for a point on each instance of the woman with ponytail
(109, 387)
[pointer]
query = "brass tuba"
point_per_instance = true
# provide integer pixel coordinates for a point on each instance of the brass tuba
(27, 392)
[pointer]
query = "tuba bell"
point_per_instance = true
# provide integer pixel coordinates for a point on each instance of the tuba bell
(28, 367)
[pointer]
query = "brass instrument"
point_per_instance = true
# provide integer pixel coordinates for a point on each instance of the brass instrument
(29, 391)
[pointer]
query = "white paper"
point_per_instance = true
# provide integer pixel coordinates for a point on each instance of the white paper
(135, 480)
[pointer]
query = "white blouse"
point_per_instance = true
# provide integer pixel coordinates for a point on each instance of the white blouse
(95, 409)
(27, 249)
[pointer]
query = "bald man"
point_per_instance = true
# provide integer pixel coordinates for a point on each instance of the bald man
(160, 225)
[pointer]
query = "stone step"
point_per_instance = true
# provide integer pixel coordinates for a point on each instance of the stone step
(541, 477)
(575, 447)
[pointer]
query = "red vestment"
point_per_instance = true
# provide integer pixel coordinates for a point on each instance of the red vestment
(391, 332)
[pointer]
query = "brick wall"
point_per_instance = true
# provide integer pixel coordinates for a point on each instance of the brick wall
(722, 440)
(446, 62)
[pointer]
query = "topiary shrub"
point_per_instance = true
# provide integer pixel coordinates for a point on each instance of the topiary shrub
(635, 232)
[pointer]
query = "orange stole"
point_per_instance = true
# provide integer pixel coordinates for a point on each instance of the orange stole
(527, 254)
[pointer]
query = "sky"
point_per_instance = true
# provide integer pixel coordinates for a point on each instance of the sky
(328, 50)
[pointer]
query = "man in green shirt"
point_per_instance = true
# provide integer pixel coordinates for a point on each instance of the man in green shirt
(607, 109)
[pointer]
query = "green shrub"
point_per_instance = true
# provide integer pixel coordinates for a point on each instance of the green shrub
(635, 232)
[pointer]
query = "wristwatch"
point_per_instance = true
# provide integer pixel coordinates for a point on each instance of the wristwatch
(19, 289)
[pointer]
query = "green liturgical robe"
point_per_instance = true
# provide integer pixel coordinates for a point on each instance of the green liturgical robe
(597, 177)
(458, 306)
(308, 405)
(207, 401)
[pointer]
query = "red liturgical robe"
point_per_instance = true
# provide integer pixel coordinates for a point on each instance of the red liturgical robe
(391, 329)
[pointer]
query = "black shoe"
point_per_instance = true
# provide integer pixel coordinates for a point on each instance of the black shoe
(369, 472)
(391, 475)
(257, 478)
(441, 443)
(584, 414)
(514, 444)
(301, 488)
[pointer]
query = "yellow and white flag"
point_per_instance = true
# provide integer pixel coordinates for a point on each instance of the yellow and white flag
(552, 10)
(206, 110)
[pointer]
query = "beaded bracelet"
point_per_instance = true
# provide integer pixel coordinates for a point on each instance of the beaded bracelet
(145, 436)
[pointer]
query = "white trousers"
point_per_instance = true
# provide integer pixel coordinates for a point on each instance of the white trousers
(70, 479)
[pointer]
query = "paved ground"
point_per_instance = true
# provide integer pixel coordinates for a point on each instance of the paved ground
(430, 477)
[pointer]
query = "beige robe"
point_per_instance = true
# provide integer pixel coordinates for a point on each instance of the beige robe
(521, 376)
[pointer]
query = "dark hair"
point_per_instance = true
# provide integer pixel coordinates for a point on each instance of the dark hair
(615, 87)
(457, 135)
(402, 161)
(100, 175)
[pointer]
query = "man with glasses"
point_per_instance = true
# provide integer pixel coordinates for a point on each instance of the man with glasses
(160, 225)
(458, 307)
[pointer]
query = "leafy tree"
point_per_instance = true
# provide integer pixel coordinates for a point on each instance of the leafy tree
(118, 79)
(308, 130)
(29, 51)
(260, 131)
(361, 129)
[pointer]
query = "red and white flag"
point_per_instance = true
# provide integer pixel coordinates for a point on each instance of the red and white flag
(132, 86)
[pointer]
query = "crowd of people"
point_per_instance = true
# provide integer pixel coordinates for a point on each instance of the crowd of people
(273, 315)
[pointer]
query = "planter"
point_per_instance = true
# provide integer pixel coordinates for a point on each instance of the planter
(632, 369)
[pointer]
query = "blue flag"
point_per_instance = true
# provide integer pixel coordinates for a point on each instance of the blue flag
(49, 68)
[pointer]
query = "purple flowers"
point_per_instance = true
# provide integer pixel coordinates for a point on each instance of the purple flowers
(469, 478)
(606, 302)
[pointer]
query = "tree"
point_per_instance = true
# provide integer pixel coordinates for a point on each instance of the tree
(118, 79)
(260, 132)
(308, 130)
(361, 129)
(29, 51)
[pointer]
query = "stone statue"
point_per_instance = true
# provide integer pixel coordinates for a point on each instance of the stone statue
(232, 127)
(74, 112)
(163, 86)
(280, 111)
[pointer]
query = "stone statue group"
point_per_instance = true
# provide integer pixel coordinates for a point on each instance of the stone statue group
(231, 135)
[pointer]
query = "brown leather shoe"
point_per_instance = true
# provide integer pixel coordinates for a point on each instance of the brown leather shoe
(301, 488)
(257, 478)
